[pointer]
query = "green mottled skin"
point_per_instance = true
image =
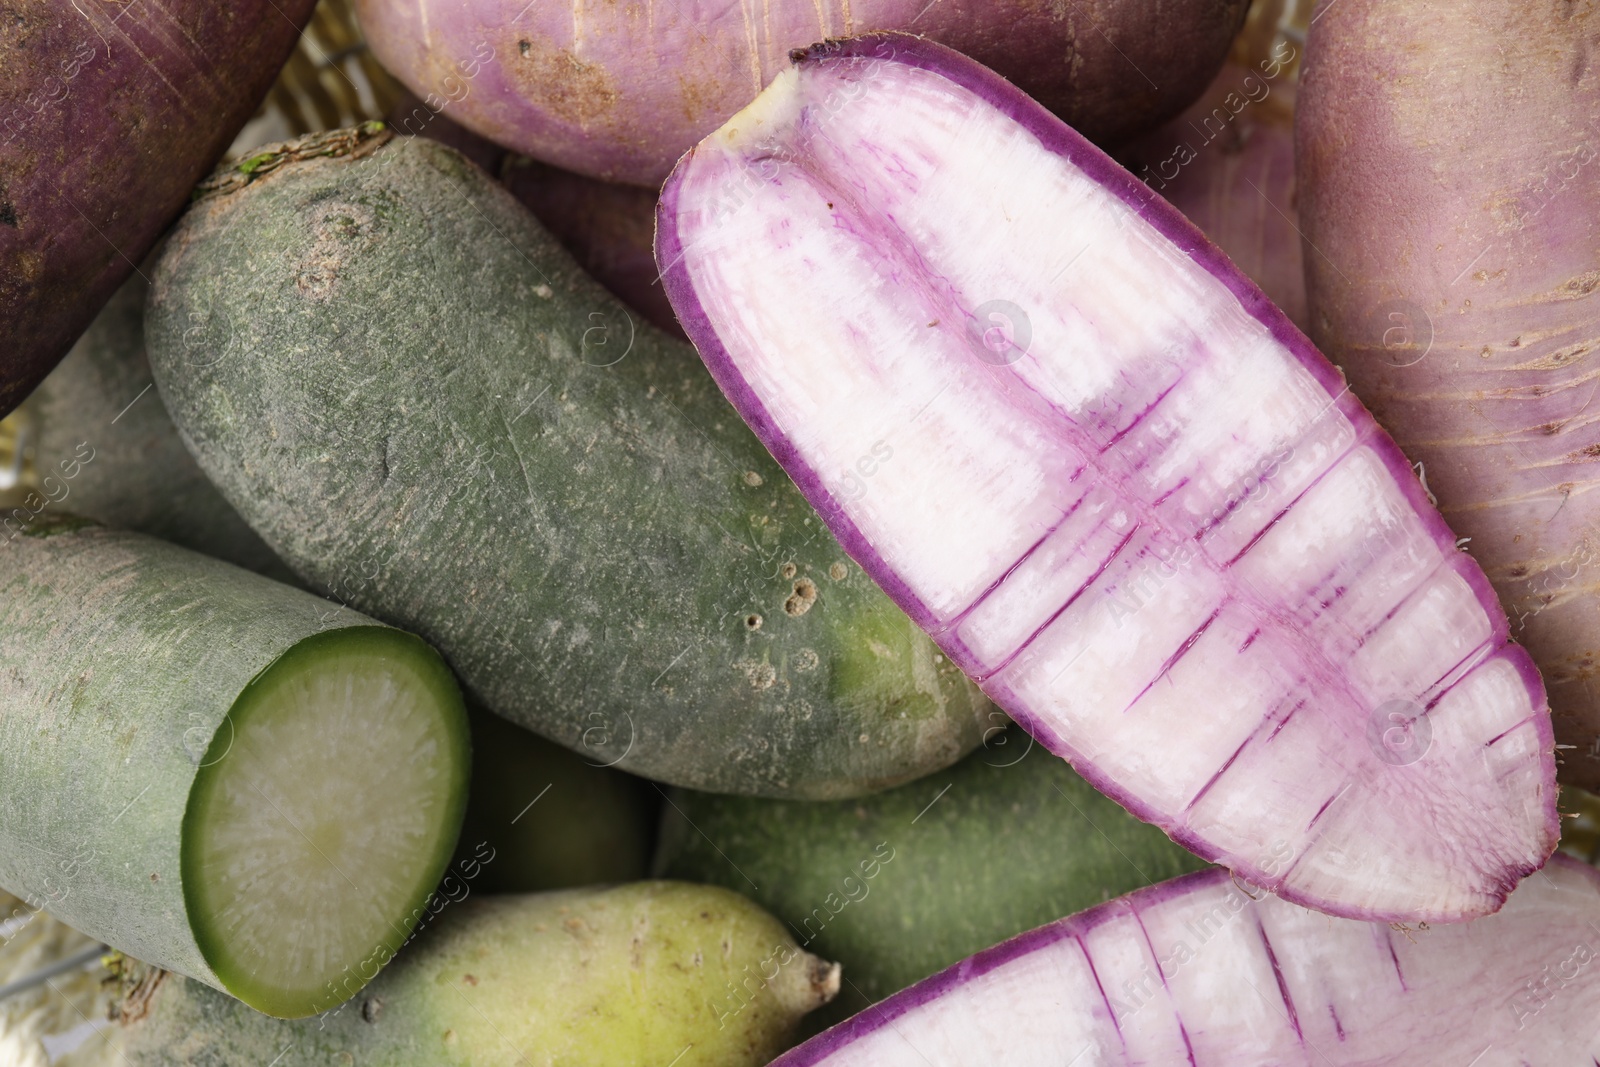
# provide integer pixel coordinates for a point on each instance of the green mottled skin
(553, 819)
(623, 976)
(142, 478)
(1010, 845)
(403, 394)
(119, 657)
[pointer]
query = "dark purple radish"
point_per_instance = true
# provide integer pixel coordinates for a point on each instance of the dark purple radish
(1113, 482)
(1206, 971)
(109, 115)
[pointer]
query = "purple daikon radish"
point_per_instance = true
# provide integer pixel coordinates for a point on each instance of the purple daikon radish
(1205, 971)
(1115, 484)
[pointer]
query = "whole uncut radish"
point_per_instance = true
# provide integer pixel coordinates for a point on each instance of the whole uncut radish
(1112, 481)
(383, 357)
(109, 114)
(197, 760)
(620, 91)
(609, 977)
(142, 478)
(902, 884)
(1227, 163)
(1450, 174)
(1209, 971)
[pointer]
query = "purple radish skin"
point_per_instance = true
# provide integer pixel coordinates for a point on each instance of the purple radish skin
(109, 115)
(1112, 481)
(1206, 971)
(1450, 170)
(619, 91)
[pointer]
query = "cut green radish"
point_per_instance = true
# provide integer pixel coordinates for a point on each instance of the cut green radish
(211, 772)
(332, 765)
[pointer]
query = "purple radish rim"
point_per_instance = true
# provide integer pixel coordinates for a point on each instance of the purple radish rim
(1060, 139)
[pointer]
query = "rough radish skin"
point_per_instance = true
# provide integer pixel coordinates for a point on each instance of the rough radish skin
(635, 974)
(608, 227)
(1209, 972)
(142, 478)
(109, 113)
(620, 91)
(546, 489)
(1227, 163)
(1116, 485)
(1450, 168)
(195, 761)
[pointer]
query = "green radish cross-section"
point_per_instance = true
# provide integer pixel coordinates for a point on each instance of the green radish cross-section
(339, 736)
(200, 770)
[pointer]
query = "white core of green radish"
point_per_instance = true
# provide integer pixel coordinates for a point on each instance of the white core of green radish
(330, 803)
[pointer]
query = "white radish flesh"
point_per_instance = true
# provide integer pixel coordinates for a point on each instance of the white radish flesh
(1112, 481)
(1205, 971)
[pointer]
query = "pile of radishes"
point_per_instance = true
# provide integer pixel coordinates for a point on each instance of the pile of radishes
(1111, 582)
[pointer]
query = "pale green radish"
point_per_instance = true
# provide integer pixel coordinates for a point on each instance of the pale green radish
(638, 974)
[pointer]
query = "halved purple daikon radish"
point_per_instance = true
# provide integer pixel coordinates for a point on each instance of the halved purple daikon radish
(1202, 971)
(1116, 485)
